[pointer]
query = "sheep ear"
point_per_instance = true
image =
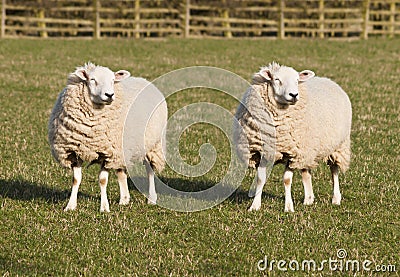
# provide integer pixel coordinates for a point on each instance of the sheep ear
(266, 74)
(81, 73)
(121, 75)
(306, 75)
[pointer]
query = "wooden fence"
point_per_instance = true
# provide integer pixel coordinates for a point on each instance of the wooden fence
(200, 18)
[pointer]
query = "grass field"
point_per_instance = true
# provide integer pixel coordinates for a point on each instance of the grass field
(38, 238)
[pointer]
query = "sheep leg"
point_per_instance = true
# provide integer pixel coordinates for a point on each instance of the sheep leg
(152, 188)
(261, 179)
(123, 187)
(287, 181)
(76, 181)
(337, 196)
(308, 190)
(103, 180)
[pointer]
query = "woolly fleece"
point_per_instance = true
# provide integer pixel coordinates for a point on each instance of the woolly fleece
(316, 128)
(82, 130)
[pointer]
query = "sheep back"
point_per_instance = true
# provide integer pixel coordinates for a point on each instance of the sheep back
(329, 115)
(145, 123)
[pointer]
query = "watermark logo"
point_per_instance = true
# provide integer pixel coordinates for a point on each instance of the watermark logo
(341, 253)
(339, 263)
(136, 135)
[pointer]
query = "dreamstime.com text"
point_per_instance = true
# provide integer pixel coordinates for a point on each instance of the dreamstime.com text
(339, 263)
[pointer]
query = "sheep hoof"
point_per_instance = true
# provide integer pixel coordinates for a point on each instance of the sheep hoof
(105, 208)
(309, 200)
(254, 207)
(67, 208)
(289, 207)
(70, 207)
(124, 201)
(152, 201)
(336, 199)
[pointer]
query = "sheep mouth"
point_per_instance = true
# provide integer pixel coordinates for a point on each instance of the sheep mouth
(292, 100)
(107, 101)
(287, 102)
(100, 101)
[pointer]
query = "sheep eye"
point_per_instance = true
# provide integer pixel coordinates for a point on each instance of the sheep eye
(278, 82)
(93, 80)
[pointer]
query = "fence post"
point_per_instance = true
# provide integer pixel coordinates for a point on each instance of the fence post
(42, 24)
(3, 18)
(281, 27)
(137, 18)
(321, 19)
(226, 23)
(365, 19)
(187, 20)
(96, 23)
(392, 18)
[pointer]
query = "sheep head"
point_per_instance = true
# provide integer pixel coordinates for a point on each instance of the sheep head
(284, 82)
(100, 82)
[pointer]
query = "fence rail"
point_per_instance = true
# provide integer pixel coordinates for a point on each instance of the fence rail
(200, 18)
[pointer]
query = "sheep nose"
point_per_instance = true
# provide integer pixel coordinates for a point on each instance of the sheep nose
(109, 95)
(294, 95)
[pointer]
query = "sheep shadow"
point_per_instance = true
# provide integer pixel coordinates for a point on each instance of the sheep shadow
(24, 190)
(177, 185)
(8, 265)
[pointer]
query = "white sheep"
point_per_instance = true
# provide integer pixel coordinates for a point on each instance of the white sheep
(310, 122)
(87, 122)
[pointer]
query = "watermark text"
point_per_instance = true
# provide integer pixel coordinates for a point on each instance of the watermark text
(339, 263)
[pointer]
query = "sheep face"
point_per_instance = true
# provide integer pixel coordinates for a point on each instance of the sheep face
(285, 82)
(100, 82)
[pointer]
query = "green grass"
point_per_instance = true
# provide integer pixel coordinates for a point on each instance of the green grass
(38, 238)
